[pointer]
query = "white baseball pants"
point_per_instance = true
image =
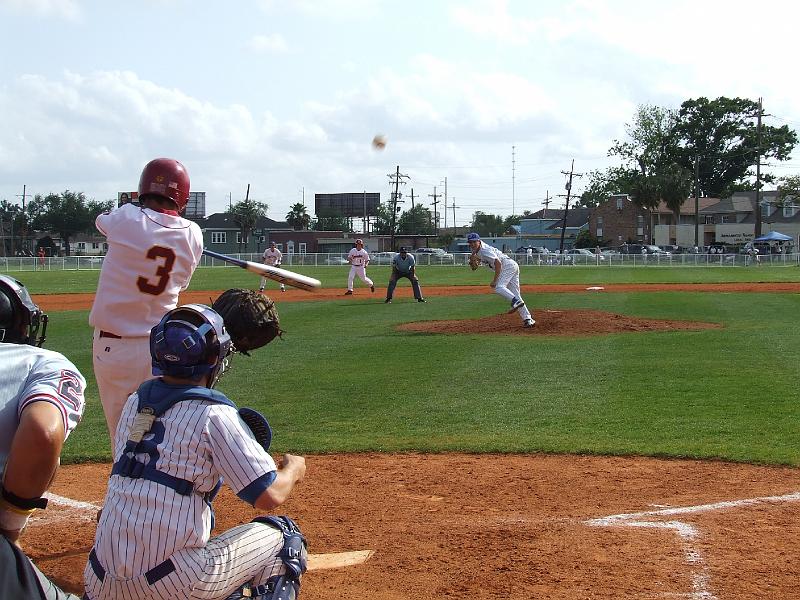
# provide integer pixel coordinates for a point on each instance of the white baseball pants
(244, 554)
(121, 365)
(361, 271)
(508, 287)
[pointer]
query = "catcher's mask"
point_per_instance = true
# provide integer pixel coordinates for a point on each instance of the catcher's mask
(20, 318)
(190, 341)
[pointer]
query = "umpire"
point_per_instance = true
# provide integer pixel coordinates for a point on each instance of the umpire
(403, 265)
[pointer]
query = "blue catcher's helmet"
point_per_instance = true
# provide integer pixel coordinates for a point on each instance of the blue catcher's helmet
(189, 342)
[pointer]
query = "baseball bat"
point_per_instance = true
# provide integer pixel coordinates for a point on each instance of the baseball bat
(291, 278)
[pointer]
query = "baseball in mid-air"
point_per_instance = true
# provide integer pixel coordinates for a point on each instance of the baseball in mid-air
(379, 142)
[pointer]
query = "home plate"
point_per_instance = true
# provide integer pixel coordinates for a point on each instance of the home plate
(594, 289)
(335, 560)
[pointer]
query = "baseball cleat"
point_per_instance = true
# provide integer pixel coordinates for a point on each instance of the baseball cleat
(387, 301)
(348, 293)
(421, 300)
(529, 323)
(516, 303)
(372, 289)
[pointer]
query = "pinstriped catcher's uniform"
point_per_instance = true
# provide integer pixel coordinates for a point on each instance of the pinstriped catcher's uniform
(152, 542)
(151, 258)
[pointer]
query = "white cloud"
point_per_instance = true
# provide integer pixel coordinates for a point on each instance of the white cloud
(65, 9)
(268, 43)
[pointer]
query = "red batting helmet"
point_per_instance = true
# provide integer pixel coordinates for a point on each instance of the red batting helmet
(167, 178)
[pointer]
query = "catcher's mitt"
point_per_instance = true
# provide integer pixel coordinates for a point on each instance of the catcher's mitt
(474, 261)
(250, 318)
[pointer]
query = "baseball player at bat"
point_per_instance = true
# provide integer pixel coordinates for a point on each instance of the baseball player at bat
(152, 254)
(506, 275)
(177, 440)
(272, 257)
(358, 258)
(41, 402)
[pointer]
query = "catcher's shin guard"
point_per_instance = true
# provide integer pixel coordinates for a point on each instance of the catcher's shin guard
(294, 557)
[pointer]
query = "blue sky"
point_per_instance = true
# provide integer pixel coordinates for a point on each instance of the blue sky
(286, 96)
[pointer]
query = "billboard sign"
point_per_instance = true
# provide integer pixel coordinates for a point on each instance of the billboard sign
(357, 204)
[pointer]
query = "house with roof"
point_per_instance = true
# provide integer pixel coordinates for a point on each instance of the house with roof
(619, 220)
(667, 230)
(222, 234)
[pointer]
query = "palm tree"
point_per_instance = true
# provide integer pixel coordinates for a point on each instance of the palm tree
(298, 218)
(246, 214)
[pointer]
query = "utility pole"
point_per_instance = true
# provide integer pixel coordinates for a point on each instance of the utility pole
(24, 228)
(568, 187)
(513, 175)
(412, 198)
(454, 216)
(395, 178)
(697, 202)
(435, 197)
(445, 203)
(758, 172)
(546, 203)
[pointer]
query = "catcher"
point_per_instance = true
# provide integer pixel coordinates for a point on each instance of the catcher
(177, 440)
(506, 275)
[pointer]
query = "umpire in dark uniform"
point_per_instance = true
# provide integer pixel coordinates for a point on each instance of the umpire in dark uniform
(403, 265)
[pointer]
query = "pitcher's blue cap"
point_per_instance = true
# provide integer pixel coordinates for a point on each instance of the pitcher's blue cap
(473, 237)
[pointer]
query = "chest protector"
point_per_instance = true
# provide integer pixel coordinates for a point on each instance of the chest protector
(156, 398)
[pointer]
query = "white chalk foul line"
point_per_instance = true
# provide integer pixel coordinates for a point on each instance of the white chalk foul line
(686, 532)
(73, 509)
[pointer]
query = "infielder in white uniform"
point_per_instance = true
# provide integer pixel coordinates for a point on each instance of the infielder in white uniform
(506, 276)
(272, 257)
(41, 402)
(152, 253)
(177, 440)
(358, 258)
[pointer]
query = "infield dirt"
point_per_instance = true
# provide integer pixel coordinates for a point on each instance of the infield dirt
(506, 526)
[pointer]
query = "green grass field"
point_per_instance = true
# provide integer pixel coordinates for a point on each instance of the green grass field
(344, 379)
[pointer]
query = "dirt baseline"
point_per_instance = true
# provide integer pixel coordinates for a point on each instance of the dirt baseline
(507, 526)
(504, 526)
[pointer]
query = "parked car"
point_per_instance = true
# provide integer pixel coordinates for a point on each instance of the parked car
(433, 256)
(656, 251)
(336, 260)
(609, 251)
(534, 250)
(381, 258)
(584, 256)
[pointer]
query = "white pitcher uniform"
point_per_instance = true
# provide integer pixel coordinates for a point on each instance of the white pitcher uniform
(154, 543)
(508, 280)
(358, 260)
(273, 258)
(151, 257)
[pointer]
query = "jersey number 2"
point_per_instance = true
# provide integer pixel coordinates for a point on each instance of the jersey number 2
(162, 272)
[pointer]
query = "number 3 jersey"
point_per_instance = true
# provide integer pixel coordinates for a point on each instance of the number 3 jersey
(29, 374)
(151, 257)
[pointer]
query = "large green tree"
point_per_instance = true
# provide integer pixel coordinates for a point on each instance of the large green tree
(723, 136)
(66, 214)
(382, 225)
(604, 184)
(12, 220)
(331, 220)
(246, 214)
(297, 217)
(417, 221)
(486, 224)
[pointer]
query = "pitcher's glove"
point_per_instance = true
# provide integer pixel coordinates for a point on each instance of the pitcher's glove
(474, 261)
(250, 318)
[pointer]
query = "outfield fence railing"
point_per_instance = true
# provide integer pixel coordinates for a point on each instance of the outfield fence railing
(84, 263)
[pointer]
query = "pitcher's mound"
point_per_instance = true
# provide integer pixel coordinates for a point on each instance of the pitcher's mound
(557, 322)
